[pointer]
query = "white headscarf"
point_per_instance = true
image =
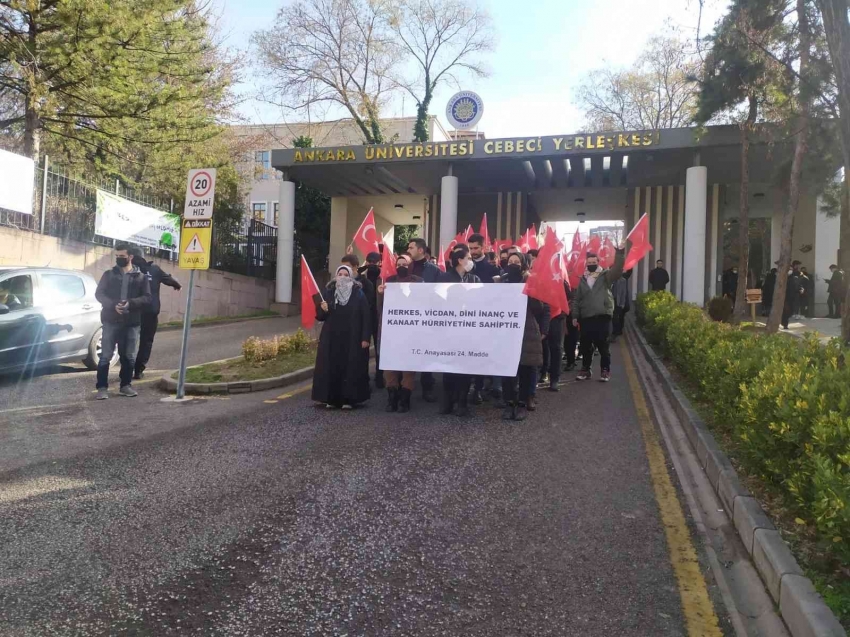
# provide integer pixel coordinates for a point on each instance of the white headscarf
(344, 285)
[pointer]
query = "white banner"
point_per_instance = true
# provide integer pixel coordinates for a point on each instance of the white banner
(122, 219)
(462, 328)
(17, 180)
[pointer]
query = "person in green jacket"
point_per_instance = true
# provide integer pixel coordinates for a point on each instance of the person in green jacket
(592, 312)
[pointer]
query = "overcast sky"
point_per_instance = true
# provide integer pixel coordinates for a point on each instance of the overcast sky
(543, 49)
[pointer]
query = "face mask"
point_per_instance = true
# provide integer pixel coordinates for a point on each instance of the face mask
(734, 272)
(514, 272)
(402, 271)
(122, 261)
(503, 263)
(592, 268)
(468, 265)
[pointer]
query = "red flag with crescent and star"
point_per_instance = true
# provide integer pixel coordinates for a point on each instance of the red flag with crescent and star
(484, 231)
(576, 260)
(309, 291)
(607, 253)
(545, 281)
(639, 237)
(366, 239)
(388, 266)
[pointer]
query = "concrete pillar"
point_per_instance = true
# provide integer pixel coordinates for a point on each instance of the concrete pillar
(285, 242)
(448, 211)
(715, 240)
(339, 238)
(693, 279)
(668, 239)
(680, 243)
(645, 262)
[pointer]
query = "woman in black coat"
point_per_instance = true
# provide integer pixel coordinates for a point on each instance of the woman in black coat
(456, 386)
(341, 376)
(518, 391)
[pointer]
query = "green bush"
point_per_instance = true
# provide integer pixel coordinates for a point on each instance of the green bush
(720, 309)
(256, 350)
(785, 401)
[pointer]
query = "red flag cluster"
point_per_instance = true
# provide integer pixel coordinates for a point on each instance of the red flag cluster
(545, 280)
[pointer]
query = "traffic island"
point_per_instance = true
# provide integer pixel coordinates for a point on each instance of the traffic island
(265, 364)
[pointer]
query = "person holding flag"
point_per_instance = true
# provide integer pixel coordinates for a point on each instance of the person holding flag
(487, 272)
(341, 375)
(518, 391)
(592, 311)
(399, 384)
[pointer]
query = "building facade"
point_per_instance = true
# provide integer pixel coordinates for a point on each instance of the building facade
(687, 182)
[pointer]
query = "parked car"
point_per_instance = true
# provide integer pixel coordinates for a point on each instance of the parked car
(48, 316)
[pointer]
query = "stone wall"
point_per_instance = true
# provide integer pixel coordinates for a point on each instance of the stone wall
(216, 293)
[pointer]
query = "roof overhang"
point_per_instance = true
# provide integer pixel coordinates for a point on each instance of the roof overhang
(613, 159)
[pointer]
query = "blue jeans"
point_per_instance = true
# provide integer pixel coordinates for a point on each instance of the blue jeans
(126, 337)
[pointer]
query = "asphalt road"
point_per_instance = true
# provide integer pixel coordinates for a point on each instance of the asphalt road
(73, 382)
(238, 517)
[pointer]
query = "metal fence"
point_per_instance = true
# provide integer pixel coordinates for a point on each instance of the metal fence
(71, 207)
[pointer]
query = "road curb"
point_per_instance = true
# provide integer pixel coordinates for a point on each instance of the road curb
(237, 387)
(803, 610)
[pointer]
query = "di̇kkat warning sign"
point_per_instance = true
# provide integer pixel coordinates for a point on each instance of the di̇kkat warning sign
(195, 241)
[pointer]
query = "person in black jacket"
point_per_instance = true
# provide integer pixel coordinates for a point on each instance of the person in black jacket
(659, 277)
(370, 291)
(519, 390)
(487, 272)
(429, 273)
(150, 315)
(456, 386)
(341, 375)
(836, 291)
(124, 291)
(767, 292)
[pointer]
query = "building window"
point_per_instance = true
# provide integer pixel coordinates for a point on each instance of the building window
(276, 214)
(258, 211)
(263, 162)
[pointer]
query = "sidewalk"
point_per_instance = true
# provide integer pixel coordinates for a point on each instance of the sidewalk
(824, 328)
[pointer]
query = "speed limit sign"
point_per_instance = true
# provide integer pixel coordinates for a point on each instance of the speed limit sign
(200, 193)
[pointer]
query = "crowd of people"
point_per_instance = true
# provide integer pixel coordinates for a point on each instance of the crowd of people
(129, 295)
(800, 293)
(351, 306)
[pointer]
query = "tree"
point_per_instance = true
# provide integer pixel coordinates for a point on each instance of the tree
(836, 22)
(801, 140)
(312, 218)
(442, 38)
(97, 77)
(656, 92)
(403, 236)
(742, 67)
(330, 54)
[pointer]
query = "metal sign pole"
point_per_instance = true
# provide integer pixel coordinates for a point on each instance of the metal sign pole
(187, 323)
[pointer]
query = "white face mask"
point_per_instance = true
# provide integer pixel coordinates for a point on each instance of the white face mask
(468, 265)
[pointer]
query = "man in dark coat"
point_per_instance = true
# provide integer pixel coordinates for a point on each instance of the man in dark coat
(429, 273)
(659, 277)
(364, 277)
(793, 291)
(124, 291)
(836, 290)
(807, 300)
(341, 375)
(767, 292)
(456, 386)
(486, 271)
(150, 315)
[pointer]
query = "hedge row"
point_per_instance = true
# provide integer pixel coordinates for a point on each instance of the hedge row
(786, 402)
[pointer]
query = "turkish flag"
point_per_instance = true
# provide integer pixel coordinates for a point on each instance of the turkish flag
(639, 237)
(576, 260)
(441, 263)
(366, 238)
(466, 234)
(606, 254)
(501, 244)
(545, 282)
(485, 231)
(594, 244)
(309, 291)
(388, 265)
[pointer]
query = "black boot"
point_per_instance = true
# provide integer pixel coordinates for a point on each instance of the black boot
(521, 412)
(531, 404)
(553, 384)
(428, 395)
(392, 400)
(477, 398)
(403, 400)
(462, 409)
(510, 412)
(379, 380)
(447, 402)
